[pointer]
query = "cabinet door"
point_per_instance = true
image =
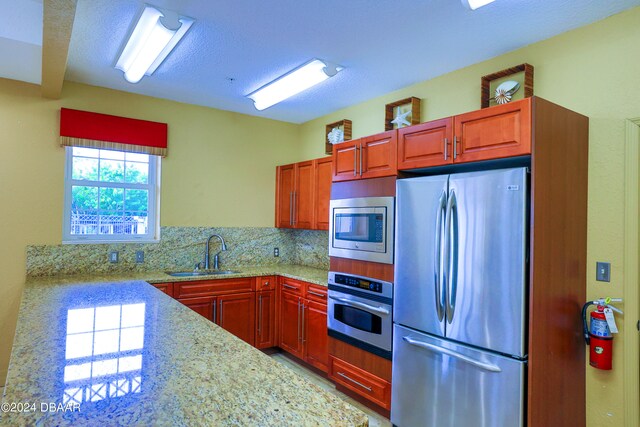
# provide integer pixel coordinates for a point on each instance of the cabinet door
(492, 133)
(315, 336)
(378, 155)
(426, 144)
(285, 179)
(345, 161)
(290, 324)
(322, 193)
(166, 288)
(204, 306)
(236, 314)
(303, 195)
(265, 319)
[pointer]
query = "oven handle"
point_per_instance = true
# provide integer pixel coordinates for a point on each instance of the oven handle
(361, 305)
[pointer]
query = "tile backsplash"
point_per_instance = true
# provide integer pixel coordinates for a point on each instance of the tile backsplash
(180, 248)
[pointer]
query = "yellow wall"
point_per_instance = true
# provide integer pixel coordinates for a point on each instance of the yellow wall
(220, 172)
(594, 70)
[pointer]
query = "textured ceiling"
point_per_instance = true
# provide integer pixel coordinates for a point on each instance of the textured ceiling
(384, 44)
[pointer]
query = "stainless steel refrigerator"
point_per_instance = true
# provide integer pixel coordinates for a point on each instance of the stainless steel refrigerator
(460, 316)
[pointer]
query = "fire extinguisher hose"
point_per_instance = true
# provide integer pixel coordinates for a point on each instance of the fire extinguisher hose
(585, 327)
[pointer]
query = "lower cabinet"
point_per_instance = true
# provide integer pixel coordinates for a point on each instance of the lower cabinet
(202, 305)
(166, 288)
(236, 313)
(361, 382)
(265, 319)
(303, 322)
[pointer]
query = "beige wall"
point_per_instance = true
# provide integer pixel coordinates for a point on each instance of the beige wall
(594, 70)
(220, 172)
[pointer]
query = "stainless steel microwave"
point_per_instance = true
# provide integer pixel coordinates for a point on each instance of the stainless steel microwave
(362, 228)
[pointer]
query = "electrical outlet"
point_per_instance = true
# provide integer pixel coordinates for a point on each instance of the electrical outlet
(113, 257)
(139, 257)
(276, 252)
(603, 271)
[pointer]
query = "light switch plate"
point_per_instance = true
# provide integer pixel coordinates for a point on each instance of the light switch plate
(603, 271)
(113, 257)
(139, 257)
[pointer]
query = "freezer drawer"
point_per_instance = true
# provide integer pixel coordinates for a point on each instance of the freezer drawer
(437, 383)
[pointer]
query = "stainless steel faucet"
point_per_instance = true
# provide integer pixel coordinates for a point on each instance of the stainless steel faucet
(216, 257)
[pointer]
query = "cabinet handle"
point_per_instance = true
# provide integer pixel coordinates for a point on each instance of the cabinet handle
(361, 150)
(446, 148)
(290, 207)
(214, 312)
(355, 160)
(354, 381)
(259, 313)
(317, 294)
(290, 287)
(455, 147)
(220, 313)
(294, 208)
(302, 333)
(298, 320)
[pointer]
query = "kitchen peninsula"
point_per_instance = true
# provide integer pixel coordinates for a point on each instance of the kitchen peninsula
(130, 355)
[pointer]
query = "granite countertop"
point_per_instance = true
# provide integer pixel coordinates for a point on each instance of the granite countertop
(317, 276)
(130, 355)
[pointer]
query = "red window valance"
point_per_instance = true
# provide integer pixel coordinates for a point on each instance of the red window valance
(94, 130)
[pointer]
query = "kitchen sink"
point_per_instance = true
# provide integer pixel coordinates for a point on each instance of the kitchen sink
(200, 273)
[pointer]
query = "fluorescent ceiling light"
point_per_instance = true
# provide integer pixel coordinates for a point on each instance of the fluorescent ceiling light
(295, 81)
(150, 43)
(474, 4)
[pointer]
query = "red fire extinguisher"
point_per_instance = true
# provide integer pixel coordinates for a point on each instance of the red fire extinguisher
(600, 336)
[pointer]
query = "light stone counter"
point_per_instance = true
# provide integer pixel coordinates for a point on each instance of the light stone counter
(130, 355)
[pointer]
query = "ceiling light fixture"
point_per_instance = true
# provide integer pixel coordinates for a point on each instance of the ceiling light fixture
(295, 81)
(474, 4)
(150, 43)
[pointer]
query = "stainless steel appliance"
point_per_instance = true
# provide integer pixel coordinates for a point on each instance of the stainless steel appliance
(362, 228)
(459, 350)
(359, 312)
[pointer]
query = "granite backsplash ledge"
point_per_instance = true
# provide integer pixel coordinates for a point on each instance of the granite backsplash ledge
(180, 248)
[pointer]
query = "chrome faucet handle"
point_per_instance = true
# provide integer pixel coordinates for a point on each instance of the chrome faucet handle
(197, 266)
(216, 261)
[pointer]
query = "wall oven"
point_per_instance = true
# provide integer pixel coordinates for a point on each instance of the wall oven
(362, 228)
(360, 311)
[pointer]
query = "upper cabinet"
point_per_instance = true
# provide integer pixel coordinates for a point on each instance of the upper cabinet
(490, 133)
(302, 191)
(369, 157)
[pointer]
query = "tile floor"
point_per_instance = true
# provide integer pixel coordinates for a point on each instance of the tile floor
(375, 419)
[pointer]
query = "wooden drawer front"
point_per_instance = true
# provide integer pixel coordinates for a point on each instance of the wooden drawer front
(379, 154)
(166, 288)
(425, 144)
(213, 287)
(265, 283)
(362, 382)
(317, 293)
(496, 132)
(292, 286)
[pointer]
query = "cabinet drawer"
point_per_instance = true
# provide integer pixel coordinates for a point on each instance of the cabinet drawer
(265, 283)
(359, 381)
(292, 286)
(317, 293)
(212, 287)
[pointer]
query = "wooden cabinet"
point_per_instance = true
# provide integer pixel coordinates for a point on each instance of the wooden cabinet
(236, 313)
(491, 133)
(265, 312)
(204, 306)
(290, 323)
(166, 288)
(322, 193)
(369, 157)
(315, 336)
(302, 194)
(361, 382)
(303, 322)
(427, 144)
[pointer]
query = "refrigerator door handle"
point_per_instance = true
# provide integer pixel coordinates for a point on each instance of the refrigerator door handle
(367, 307)
(436, 349)
(438, 273)
(451, 248)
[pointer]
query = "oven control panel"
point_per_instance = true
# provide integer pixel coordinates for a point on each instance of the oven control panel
(358, 282)
(363, 284)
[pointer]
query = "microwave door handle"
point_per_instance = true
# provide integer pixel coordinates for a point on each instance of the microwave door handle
(436, 349)
(367, 307)
(451, 231)
(439, 291)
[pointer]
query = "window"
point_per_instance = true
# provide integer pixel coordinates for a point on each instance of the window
(110, 196)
